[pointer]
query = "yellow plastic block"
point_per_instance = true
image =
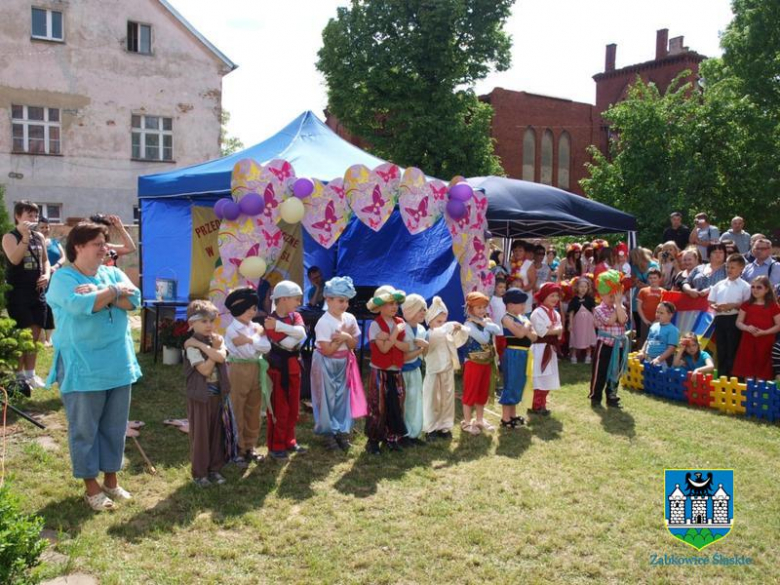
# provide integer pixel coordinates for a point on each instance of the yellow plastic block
(634, 378)
(728, 394)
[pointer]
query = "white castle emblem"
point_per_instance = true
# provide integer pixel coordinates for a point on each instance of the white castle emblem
(707, 510)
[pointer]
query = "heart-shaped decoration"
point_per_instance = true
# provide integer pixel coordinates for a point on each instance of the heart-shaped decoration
(416, 201)
(372, 195)
(474, 222)
(327, 212)
(275, 185)
(245, 178)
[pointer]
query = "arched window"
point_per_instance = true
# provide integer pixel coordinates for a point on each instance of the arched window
(564, 156)
(529, 154)
(547, 158)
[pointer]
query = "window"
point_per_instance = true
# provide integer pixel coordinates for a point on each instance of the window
(35, 129)
(547, 158)
(52, 211)
(46, 24)
(152, 137)
(529, 154)
(139, 38)
(564, 155)
(136, 215)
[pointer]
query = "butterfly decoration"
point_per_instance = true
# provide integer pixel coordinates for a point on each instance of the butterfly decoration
(275, 183)
(245, 178)
(327, 212)
(372, 194)
(417, 200)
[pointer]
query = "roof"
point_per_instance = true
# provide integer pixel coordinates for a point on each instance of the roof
(177, 15)
(682, 57)
(677, 493)
(720, 494)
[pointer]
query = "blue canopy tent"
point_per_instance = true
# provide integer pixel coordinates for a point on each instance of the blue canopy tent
(421, 263)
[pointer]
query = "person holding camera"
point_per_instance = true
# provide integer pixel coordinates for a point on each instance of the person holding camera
(704, 234)
(94, 360)
(115, 250)
(28, 272)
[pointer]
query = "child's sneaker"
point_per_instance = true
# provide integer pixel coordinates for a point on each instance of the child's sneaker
(588, 360)
(201, 482)
(216, 478)
(573, 359)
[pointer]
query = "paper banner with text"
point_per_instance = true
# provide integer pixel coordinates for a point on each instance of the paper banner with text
(205, 250)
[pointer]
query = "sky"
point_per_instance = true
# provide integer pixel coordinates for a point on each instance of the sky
(558, 45)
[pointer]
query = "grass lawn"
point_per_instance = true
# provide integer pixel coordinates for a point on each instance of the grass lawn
(577, 497)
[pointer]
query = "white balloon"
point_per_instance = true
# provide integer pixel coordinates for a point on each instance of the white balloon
(292, 210)
(252, 267)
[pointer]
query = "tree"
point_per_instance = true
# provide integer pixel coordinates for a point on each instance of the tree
(227, 144)
(689, 151)
(751, 46)
(400, 73)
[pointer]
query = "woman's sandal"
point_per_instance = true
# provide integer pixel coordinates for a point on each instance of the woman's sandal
(518, 421)
(117, 493)
(486, 426)
(99, 502)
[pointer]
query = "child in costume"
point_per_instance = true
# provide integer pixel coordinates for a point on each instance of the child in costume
(246, 343)
(207, 385)
(497, 310)
(612, 344)
(517, 362)
(759, 321)
(691, 357)
(548, 327)
(441, 361)
(478, 370)
(413, 309)
(582, 327)
(663, 337)
(336, 389)
(386, 334)
(286, 332)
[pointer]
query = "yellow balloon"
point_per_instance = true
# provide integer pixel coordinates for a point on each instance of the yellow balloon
(292, 210)
(252, 267)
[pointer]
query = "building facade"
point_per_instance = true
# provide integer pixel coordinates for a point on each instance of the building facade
(95, 93)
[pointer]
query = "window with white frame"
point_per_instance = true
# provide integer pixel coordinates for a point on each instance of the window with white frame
(35, 129)
(152, 137)
(52, 211)
(139, 38)
(47, 24)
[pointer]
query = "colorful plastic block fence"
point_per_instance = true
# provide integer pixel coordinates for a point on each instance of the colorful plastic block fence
(755, 398)
(762, 400)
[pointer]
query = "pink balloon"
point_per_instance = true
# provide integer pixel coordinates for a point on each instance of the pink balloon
(461, 192)
(231, 210)
(219, 207)
(251, 204)
(456, 209)
(303, 188)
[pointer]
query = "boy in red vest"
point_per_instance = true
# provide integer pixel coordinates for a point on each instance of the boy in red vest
(386, 393)
(286, 332)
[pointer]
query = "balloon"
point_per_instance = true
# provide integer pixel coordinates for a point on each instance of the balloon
(292, 210)
(461, 192)
(251, 204)
(303, 188)
(456, 209)
(219, 207)
(252, 267)
(609, 282)
(231, 210)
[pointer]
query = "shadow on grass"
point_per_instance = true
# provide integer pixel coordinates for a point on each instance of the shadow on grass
(547, 428)
(616, 421)
(245, 492)
(513, 442)
(67, 515)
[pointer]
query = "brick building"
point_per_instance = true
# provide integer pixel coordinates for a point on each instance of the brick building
(545, 139)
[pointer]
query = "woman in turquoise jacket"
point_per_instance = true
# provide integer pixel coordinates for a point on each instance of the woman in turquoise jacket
(94, 360)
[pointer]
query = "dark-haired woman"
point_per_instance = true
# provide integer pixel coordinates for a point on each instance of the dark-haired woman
(94, 360)
(28, 272)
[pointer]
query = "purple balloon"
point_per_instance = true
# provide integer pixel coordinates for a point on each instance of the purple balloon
(251, 204)
(219, 207)
(303, 188)
(456, 209)
(461, 192)
(231, 210)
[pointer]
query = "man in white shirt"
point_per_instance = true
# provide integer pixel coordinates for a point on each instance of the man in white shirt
(726, 297)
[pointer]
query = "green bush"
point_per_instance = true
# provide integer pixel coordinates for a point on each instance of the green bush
(13, 343)
(20, 542)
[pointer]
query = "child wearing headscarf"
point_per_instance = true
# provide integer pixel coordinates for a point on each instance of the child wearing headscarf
(548, 327)
(246, 343)
(478, 370)
(517, 361)
(413, 309)
(286, 331)
(336, 389)
(441, 361)
(385, 422)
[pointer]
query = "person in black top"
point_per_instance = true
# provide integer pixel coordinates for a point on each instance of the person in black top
(677, 233)
(27, 271)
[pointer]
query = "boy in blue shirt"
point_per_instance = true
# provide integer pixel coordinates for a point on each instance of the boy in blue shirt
(663, 337)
